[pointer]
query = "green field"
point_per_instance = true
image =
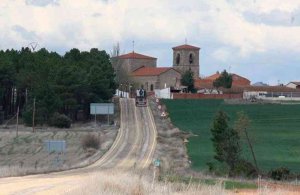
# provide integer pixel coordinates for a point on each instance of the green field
(275, 131)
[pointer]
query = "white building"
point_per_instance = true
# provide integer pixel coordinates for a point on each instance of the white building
(294, 85)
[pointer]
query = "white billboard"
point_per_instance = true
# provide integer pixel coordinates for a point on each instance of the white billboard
(101, 108)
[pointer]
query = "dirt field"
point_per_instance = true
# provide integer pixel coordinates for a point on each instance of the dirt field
(27, 154)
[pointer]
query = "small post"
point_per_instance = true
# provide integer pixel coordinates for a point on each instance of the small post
(95, 117)
(108, 115)
(33, 115)
(17, 132)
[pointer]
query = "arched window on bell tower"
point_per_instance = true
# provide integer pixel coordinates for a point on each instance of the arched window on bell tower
(178, 59)
(191, 58)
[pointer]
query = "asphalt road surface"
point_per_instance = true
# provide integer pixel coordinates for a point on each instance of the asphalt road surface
(133, 149)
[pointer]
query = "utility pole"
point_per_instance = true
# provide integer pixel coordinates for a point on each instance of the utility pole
(33, 115)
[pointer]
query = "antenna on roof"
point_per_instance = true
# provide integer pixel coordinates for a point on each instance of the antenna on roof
(133, 46)
(185, 41)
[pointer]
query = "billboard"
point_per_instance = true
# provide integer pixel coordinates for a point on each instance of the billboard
(55, 145)
(101, 108)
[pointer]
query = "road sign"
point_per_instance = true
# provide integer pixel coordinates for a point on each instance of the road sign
(101, 108)
(156, 163)
(55, 146)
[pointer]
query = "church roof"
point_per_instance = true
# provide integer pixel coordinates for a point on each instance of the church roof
(134, 55)
(186, 46)
(150, 71)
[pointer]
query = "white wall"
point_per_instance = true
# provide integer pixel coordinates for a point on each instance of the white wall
(291, 85)
(163, 93)
(123, 93)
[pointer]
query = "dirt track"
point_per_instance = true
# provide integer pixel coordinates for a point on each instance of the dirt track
(132, 149)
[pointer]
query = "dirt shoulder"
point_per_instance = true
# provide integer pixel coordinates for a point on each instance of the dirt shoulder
(171, 149)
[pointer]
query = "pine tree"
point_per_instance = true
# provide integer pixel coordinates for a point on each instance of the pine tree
(225, 141)
(188, 80)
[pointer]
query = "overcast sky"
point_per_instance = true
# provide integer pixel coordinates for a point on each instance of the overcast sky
(258, 39)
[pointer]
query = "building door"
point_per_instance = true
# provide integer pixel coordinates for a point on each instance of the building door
(151, 87)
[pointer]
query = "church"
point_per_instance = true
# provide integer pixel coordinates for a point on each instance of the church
(143, 70)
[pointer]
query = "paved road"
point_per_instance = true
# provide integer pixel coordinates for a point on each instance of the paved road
(132, 149)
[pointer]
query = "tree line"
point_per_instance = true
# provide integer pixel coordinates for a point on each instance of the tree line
(53, 83)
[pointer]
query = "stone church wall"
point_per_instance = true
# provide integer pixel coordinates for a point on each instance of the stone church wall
(169, 79)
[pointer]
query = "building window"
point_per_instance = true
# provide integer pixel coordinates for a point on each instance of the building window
(178, 59)
(151, 87)
(191, 59)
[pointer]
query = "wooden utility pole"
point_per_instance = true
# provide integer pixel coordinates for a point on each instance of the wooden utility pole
(33, 115)
(251, 148)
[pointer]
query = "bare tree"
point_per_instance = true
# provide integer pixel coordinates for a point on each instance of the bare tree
(241, 126)
(122, 75)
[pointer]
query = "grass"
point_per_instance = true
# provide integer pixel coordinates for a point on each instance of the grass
(117, 182)
(227, 184)
(275, 131)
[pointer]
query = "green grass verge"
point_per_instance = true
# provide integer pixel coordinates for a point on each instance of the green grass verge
(275, 131)
(228, 184)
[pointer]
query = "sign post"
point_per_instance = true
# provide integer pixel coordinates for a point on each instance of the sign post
(56, 146)
(102, 108)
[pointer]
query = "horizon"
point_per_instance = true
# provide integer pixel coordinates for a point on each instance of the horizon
(257, 40)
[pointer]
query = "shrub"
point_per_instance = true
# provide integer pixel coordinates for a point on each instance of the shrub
(217, 168)
(60, 121)
(90, 141)
(281, 173)
(245, 169)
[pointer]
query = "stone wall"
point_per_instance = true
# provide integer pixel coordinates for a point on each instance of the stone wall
(169, 78)
(184, 63)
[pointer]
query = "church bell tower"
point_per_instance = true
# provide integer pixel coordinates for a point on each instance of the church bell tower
(186, 57)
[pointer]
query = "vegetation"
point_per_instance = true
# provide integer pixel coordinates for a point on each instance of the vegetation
(225, 141)
(225, 80)
(241, 125)
(64, 84)
(228, 184)
(281, 173)
(274, 131)
(90, 141)
(188, 80)
(60, 121)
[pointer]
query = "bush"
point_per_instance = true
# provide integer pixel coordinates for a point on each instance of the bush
(245, 169)
(218, 168)
(90, 141)
(281, 173)
(60, 121)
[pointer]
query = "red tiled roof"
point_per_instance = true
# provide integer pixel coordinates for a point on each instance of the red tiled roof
(150, 71)
(185, 46)
(236, 79)
(134, 55)
(213, 77)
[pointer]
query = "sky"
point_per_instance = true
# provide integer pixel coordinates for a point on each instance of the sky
(257, 39)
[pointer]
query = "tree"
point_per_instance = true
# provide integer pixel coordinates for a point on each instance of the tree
(225, 141)
(225, 80)
(122, 75)
(187, 79)
(64, 84)
(241, 126)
